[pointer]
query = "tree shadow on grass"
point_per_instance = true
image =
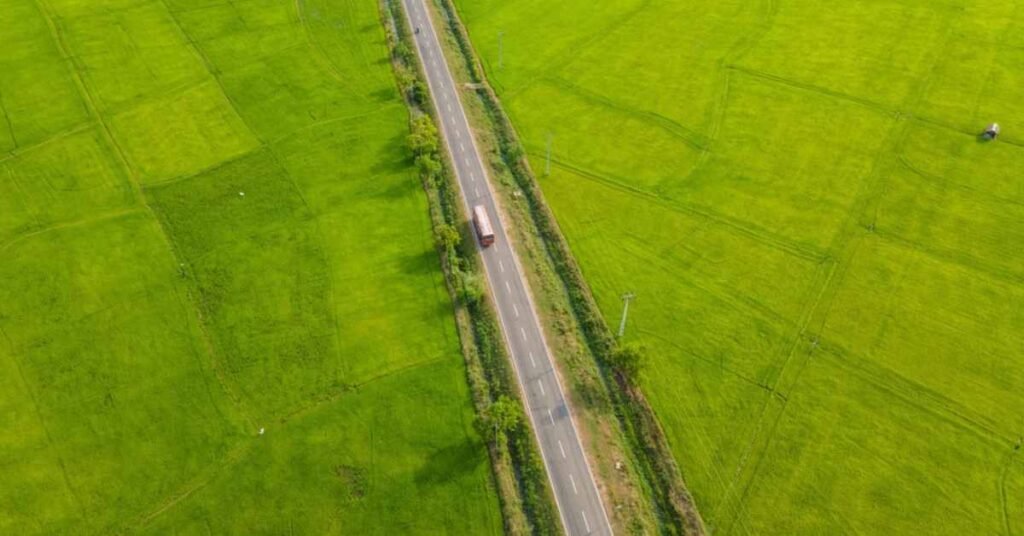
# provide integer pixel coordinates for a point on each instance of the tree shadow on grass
(450, 463)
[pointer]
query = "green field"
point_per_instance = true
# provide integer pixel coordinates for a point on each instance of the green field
(209, 225)
(828, 262)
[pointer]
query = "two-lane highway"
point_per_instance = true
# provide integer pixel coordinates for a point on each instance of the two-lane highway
(579, 501)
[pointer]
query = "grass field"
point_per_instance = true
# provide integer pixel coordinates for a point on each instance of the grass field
(827, 260)
(209, 225)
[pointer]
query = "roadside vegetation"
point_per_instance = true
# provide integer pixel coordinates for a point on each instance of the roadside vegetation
(639, 479)
(825, 256)
(220, 309)
(527, 502)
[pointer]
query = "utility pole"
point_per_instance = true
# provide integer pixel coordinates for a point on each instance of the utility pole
(626, 298)
(547, 166)
(501, 49)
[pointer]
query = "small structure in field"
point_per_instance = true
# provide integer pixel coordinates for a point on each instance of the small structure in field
(991, 131)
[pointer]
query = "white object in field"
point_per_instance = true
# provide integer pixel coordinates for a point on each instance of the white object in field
(992, 131)
(241, 194)
(262, 430)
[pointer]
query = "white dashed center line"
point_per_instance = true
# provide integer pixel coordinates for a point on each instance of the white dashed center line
(458, 133)
(551, 416)
(561, 448)
(585, 522)
(515, 310)
(461, 146)
(522, 331)
(541, 385)
(501, 267)
(573, 482)
(476, 191)
(508, 287)
(532, 362)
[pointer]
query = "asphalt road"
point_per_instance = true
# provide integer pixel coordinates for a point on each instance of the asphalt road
(579, 502)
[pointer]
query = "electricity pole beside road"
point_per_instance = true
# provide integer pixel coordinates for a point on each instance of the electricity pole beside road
(626, 298)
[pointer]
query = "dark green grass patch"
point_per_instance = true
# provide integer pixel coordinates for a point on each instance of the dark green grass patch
(251, 246)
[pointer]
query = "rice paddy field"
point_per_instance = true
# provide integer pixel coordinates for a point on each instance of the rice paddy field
(220, 307)
(827, 258)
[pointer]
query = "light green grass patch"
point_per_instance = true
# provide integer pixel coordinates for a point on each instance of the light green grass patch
(854, 453)
(182, 134)
(975, 82)
(878, 50)
(647, 65)
(843, 186)
(288, 91)
(961, 161)
(912, 313)
(38, 96)
(34, 497)
(535, 42)
(718, 310)
(108, 347)
(390, 298)
(239, 32)
(68, 179)
(800, 189)
(666, 154)
(128, 52)
(965, 226)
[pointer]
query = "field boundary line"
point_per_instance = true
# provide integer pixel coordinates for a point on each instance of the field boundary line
(966, 262)
(76, 223)
(26, 202)
(779, 243)
(570, 53)
(319, 55)
(193, 485)
(951, 183)
(137, 190)
(55, 137)
(10, 125)
(29, 388)
(911, 392)
(691, 137)
(1004, 501)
